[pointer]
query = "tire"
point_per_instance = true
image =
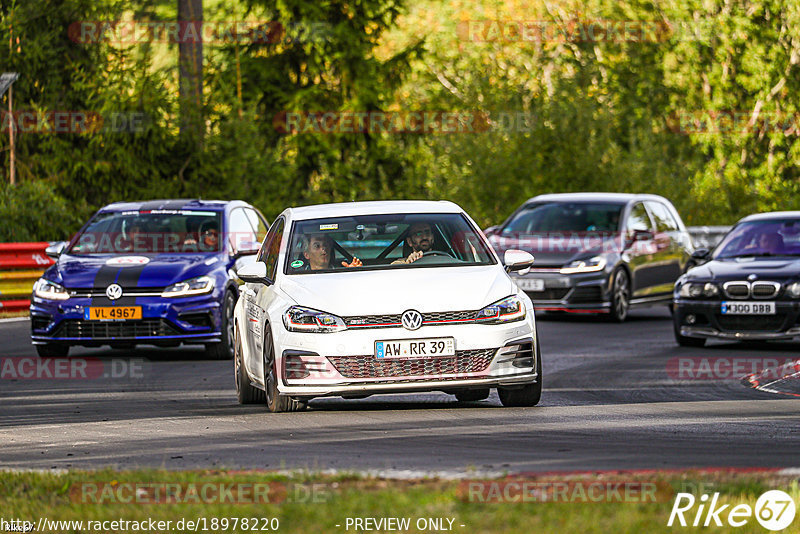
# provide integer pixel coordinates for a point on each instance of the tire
(275, 401)
(245, 392)
(225, 349)
(472, 395)
(685, 341)
(528, 395)
(620, 296)
(52, 351)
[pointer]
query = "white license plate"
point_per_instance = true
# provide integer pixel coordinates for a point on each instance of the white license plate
(748, 308)
(530, 284)
(415, 348)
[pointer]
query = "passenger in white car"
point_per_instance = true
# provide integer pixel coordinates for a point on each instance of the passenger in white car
(318, 252)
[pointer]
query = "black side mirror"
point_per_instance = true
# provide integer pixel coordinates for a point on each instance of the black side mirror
(701, 254)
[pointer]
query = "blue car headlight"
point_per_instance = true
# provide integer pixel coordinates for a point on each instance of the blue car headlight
(45, 289)
(189, 288)
(300, 319)
(503, 311)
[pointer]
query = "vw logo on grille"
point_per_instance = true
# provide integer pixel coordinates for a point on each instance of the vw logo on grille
(411, 319)
(114, 291)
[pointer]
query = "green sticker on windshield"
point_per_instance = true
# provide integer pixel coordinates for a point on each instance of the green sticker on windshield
(297, 263)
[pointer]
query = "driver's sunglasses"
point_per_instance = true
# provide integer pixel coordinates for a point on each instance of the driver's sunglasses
(210, 233)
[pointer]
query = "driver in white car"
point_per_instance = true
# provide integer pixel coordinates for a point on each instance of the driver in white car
(420, 239)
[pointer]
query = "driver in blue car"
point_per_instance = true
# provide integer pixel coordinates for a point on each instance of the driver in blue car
(420, 239)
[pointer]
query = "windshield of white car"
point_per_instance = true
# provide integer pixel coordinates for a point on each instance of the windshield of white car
(779, 237)
(150, 232)
(542, 217)
(384, 241)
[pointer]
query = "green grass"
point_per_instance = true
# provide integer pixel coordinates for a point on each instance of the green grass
(32, 495)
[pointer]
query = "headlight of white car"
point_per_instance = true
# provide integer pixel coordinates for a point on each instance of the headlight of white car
(503, 311)
(194, 286)
(695, 290)
(300, 319)
(45, 289)
(597, 263)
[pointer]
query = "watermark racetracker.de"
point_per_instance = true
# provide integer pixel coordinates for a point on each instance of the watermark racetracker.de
(128, 32)
(78, 368)
(44, 122)
(730, 367)
(141, 493)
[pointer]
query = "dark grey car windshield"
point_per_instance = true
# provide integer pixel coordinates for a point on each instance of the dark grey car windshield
(780, 237)
(565, 217)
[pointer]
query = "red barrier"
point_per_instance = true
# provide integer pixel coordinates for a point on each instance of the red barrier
(14, 305)
(24, 256)
(15, 283)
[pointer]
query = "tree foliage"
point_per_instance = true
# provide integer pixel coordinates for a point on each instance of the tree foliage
(565, 113)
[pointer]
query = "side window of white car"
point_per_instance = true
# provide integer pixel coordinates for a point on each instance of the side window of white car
(273, 248)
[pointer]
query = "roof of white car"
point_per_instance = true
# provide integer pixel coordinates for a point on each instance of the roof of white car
(345, 209)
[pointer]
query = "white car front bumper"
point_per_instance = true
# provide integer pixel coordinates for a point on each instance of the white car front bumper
(344, 363)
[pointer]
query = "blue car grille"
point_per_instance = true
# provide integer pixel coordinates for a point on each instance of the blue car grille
(115, 329)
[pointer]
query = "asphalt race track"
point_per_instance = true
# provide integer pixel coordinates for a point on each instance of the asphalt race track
(612, 400)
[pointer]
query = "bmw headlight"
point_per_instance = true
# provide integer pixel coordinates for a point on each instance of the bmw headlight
(300, 319)
(188, 288)
(503, 311)
(45, 289)
(597, 263)
(793, 290)
(694, 290)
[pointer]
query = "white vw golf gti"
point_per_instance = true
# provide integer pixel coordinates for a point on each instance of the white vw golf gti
(383, 297)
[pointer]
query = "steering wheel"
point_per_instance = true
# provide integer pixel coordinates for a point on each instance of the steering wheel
(436, 253)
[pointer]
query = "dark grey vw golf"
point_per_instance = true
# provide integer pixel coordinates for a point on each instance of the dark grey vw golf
(597, 252)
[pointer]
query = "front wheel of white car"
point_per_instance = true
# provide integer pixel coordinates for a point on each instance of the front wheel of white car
(275, 401)
(528, 395)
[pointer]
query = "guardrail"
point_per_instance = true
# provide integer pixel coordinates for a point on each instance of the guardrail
(21, 264)
(707, 236)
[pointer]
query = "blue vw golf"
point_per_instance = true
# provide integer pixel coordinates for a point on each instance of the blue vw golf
(159, 272)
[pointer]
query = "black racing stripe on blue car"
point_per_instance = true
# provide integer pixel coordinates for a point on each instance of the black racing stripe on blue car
(126, 277)
(129, 277)
(105, 276)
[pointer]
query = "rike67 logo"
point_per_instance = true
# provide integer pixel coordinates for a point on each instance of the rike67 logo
(774, 510)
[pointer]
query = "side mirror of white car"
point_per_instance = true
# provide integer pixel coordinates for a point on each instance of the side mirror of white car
(255, 273)
(518, 261)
